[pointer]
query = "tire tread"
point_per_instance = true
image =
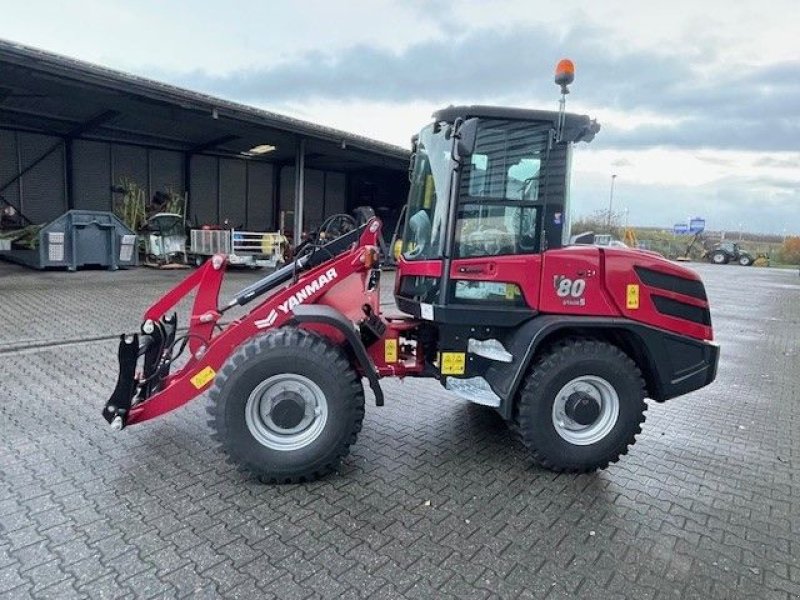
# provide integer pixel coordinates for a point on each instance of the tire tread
(547, 363)
(286, 337)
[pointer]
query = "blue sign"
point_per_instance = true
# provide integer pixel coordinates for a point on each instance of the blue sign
(697, 225)
(680, 228)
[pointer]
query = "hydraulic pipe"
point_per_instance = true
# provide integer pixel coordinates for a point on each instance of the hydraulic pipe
(267, 283)
(318, 256)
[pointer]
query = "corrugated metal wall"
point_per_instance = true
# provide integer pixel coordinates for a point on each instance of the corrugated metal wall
(40, 192)
(325, 194)
(203, 183)
(240, 191)
(233, 192)
(97, 166)
(91, 175)
(260, 206)
(166, 171)
(9, 165)
(237, 190)
(130, 162)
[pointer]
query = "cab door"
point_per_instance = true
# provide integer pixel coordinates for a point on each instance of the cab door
(496, 260)
(495, 257)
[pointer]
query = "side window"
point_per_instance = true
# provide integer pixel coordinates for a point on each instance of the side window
(477, 175)
(489, 230)
(523, 180)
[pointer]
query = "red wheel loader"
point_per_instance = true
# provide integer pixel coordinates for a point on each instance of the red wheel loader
(564, 342)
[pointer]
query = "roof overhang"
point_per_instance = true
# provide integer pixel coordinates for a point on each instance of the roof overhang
(53, 94)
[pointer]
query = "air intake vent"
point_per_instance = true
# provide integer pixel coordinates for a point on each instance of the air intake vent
(672, 283)
(681, 310)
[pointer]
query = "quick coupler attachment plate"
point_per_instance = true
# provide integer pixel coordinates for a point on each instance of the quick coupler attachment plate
(119, 405)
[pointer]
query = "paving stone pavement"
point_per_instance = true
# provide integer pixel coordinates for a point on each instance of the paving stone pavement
(435, 501)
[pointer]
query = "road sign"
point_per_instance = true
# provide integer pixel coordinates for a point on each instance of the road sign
(697, 225)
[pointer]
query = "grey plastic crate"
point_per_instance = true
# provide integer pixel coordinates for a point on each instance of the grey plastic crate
(80, 238)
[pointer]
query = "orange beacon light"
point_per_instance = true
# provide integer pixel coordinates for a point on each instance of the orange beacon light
(565, 74)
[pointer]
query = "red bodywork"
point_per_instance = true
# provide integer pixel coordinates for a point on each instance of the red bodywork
(340, 283)
(343, 283)
(607, 274)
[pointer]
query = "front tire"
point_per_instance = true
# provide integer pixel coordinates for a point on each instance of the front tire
(719, 258)
(581, 406)
(287, 406)
(745, 260)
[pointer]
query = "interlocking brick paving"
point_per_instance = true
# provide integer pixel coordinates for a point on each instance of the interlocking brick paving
(435, 501)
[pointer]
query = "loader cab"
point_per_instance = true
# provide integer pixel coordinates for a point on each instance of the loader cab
(489, 194)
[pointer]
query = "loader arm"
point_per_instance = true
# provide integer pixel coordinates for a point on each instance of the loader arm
(154, 391)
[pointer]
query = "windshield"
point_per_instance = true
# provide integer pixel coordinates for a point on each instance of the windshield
(427, 196)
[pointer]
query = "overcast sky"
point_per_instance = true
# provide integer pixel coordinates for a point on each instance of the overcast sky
(699, 101)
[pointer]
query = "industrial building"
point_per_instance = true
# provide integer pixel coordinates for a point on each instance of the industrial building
(70, 132)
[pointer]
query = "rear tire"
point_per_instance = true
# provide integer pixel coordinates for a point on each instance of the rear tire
(611, 388)
(287, 406)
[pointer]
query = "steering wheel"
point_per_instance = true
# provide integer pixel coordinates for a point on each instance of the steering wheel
(336, 226)
(489, 242)
(526, 247)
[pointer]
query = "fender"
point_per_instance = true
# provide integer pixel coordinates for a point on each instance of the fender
(326, 315)
(672, 364)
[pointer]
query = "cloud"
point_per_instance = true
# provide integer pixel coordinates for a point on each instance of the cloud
(758, 133)
(738, 107)
(780, 163)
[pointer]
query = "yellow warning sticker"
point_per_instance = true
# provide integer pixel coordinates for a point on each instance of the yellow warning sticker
(390, 351)
(632, 296)
(453, 363)
(202, 378)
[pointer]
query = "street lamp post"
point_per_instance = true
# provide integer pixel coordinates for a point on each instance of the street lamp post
(611, 201)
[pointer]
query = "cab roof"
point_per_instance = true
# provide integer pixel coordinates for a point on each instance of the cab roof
(577, 128)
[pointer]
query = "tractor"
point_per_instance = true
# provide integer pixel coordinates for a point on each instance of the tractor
(565, 343)
(726, 252)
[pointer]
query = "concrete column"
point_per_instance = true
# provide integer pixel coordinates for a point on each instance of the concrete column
(299, 189)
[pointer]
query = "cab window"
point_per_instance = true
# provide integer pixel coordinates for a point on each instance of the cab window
(499, 200)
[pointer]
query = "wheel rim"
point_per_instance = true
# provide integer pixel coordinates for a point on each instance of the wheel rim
(607, 400)
(286, 412)
(744, 261)
(719, 258)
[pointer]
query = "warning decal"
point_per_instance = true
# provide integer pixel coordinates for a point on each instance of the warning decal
(453, 363)
(632, 296)
(202, 378)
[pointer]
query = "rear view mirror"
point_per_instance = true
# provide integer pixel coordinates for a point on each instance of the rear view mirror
(467, 134)
(412, 163)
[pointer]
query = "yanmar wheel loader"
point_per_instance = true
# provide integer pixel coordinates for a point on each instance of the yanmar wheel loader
(564, 342)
